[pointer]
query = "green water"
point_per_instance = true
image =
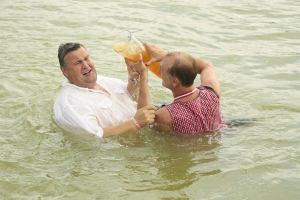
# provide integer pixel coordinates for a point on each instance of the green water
(255, 47)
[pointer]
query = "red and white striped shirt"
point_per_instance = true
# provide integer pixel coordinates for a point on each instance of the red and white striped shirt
(200, 115)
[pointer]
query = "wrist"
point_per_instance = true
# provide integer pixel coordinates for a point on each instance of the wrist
(136, 124)
(134, 80)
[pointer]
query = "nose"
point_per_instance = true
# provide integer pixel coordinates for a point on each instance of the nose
(85, 64)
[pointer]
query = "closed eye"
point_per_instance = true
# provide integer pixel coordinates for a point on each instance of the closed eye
(78, 62)
(87, 58)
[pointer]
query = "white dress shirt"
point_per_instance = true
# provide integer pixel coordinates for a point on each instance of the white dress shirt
(84, 110)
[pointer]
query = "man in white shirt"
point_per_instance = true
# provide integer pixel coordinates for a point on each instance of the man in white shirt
(91, 103)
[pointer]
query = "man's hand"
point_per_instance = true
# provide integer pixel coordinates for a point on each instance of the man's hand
(145, 115)
(157, 53)
(138, 67)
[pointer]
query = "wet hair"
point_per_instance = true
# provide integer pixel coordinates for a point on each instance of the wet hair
(184, 68)
(64, 49)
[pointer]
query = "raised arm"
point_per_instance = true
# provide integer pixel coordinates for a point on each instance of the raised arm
(142, 87)
(146, 112)
(133, 82)
(208, 75)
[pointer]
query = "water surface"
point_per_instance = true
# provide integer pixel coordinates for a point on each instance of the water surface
(255, 47)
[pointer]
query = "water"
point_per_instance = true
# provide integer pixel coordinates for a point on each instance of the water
(255, 47)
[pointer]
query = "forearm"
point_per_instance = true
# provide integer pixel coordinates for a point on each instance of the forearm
(208, 75)
(126, 127)
(202, 64)
(144, 96)
(141, 118)
(133, 87)
(140, 87)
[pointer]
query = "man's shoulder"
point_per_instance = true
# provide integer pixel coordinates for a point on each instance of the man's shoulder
(69, 91)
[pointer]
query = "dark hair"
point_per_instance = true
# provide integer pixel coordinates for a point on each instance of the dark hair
(64, 49)
(184, 68)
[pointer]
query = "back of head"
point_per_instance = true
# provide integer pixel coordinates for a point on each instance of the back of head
(184, 68)
(64, 49)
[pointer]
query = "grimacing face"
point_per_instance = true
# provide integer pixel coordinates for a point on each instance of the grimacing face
(80, 68)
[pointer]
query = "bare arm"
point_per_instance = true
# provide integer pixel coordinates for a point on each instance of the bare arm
(143, 90)
(163, 119)
(208, 75)
(133, 82)
(143, 116)
(144, 96)
(126, 127)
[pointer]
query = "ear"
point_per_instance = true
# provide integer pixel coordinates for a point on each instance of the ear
(64, 71)
(175, 82)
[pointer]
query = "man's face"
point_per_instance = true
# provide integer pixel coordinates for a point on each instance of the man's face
(165, 64)
(80, 68)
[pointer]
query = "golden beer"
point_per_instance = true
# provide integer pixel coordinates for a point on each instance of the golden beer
(132, 48)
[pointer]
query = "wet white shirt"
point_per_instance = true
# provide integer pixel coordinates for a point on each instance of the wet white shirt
(84, 110)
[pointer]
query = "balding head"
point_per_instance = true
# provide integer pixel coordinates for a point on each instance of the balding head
(183, 67)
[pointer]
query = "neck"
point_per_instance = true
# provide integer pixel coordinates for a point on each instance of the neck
(98, 87)
(184, 93)
(85, 85)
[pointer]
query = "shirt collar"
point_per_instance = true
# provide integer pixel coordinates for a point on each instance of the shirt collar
(68, 84)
